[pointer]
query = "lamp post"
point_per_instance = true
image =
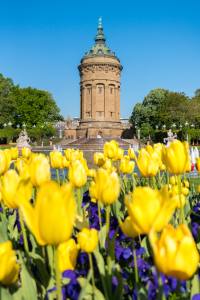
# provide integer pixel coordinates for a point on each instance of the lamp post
(42, 130)
(186, 123)
(180, 126)
(60, 133)
(9, 124)
(18, 126)
(4, 125)
(24, 125)
(34, 126)
(192, 125)
(157, 127)
(164, 126)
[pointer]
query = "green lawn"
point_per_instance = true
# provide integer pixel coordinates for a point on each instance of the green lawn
(47, 142)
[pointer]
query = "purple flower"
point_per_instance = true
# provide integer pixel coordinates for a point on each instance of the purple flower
(195, 226)
(86, 198)
(196, 297)
(73, 289)
(54, 289)
(143, 272)
(69, 274)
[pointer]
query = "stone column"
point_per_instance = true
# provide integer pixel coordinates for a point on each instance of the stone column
(93, 102)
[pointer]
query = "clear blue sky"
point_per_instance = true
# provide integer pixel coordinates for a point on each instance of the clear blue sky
(158, 43)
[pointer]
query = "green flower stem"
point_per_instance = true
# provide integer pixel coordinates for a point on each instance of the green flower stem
(107, 223)
(140, 240)
(99, 213)
(182, 219)
(150, 182)
(168, 178)
(154, 183)
(79, 200)
(24, 233)
(159, 176)
(161, 294)
(146, 184)
(133, 178)
(135, 261)
(184, 175)
(49, 247)
(67, 175)
(57, 271)
(91, 267)
(125, 183)
(63, 173)
(58, 177)
(3, 208)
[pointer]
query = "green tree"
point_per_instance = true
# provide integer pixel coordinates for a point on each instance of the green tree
(7, 103)
(32, 105)
(54, 114)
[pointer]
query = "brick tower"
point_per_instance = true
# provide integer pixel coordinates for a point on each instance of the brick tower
(100, 72)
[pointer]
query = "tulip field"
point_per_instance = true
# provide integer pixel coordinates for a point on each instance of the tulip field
(98, 235)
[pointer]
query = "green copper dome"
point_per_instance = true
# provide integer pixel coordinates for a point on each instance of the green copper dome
(100, 48)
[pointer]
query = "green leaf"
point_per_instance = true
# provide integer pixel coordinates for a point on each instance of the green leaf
(119, 289)
(195, 285)
(102, 237)
(84, 284)
(142, 291)
(3, 229)
(101, 267)
(29, 290)
(146, 245)
(88, 290)
(43, 274)
(4, 295)
(16, 292)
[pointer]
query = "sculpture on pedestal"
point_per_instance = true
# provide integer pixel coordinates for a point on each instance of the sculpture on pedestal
(23, 139)
(171, 137)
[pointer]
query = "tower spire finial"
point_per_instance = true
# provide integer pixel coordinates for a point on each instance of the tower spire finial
(100, 22)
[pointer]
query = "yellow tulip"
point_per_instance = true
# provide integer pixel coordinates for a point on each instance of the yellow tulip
(175, 197)
(99, 159)
(119, 156)
(67, 255)
(77, 174)
(184, 191)
(65, 163)
(172, 180)
(14, 153)
(150, 209)
(14, 188)
(52, 218)
(110, 149)
(163, 167)
(5, 160)
(105, 187)
(1, 195)
(148, 164)
(176, 157)
(126, 166)
(56, 159)
(131, 153)
(76, 155)
(135, 175)
(198, 164)
(91, 173)
(68, 152)
(88, 239)
(19, 164)
(127, 228)
(26, 152)
(186, 183)
(107, 165)
(175, 253)
(9, 268)
(40, 170)
(83, 161)
(32, 156)
(199, 188)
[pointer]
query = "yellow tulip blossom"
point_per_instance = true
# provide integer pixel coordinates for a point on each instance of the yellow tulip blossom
(76, 155)
(77, 174)
(19, 164)
(107, 165)
(68, 152)
(186, 183)
(176, 157)
(175, 197)
(9, 268)
(131, 153)
(148, 163)
(83, 161)
(126, 166)
(14, 189)
(32, 156)
(56, 159)
(1, 195)
(162, 167)
(88, 239)
(150, 209)
(110, 149)
(127, 228)
(135, 175)
(175, 253)
(67, 255)
(99, 159)
(5, 160)
(26, 152)
(199, 188)
(172, 180)
(40, 171)
(91, 173)
(184, 191)
(52, 218)
(14, 153)
(65, 163)
(198, 164)
(105, 187)
(119, 156)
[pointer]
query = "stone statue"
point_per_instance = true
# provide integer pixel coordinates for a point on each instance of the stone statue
(171, 137)
(23, 139)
